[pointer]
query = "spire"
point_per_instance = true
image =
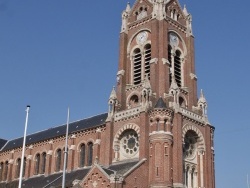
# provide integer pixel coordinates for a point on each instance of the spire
(185, 10)
(125, 15)
(128, 9)
(202, 99)
(160, 103)
(113, 94)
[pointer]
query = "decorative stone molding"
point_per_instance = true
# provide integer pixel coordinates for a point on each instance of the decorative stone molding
(51, 142)
(50, 152)
(116, 178)
(73, 136)
(11, 161)
(133, 126)
(165, 61)
(75, 182)
(127, 113)
(178, 185)
(98, 141)
(154, 60)
(29, 157)
(191, 115)
(72, 147)
(200, 140)
(193, 76)
(12, 151)
(119, 74)
(98, 130)
(31, 147)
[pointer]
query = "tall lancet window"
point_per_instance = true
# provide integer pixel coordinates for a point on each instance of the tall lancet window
(58, 159)
(24, 166)
(90, 153)
(137, 66)
(82, 155)
(18, 166)
(37, 164)
(43, 164)
(147, 57)
(177, 68)
(6, 169)
(1, 171)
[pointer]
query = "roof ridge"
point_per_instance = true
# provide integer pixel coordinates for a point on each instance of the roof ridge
(55, 127)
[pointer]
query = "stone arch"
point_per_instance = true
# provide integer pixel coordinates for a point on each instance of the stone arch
(132, 38)
(79, 144)
(132, 94)
(200, 140)
(184, 51)
(55, 150)
(133, 126)
(180, 95)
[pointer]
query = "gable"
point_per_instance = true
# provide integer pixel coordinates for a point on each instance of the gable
(174, 6)
(140, 10)
(97, 177)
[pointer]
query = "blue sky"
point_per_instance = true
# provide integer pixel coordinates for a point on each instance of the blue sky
(55, 54)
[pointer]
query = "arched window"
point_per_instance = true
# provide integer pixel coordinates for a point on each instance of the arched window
(82, 155)
(90, 153)
(24, 166)
(37, 164)
(1, 171)
(147, 57)
(6, 169)
(43, 164)
(177, 67)
(190, 158)
(182, 102)
(137, 66)
(58, 159)
(18, 166)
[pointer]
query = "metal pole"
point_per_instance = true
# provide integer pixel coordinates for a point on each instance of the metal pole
(23, 151)
(247, 182)
(65, 152)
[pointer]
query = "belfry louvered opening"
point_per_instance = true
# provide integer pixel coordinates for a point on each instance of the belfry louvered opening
(170, 61)
(147, 60)
(177, 68)
(137, 66)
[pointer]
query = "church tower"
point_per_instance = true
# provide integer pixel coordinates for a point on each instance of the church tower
(155, 114)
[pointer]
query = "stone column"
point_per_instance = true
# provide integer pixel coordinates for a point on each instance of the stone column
(201, 153)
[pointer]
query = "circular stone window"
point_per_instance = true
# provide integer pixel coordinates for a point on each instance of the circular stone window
(129, 143)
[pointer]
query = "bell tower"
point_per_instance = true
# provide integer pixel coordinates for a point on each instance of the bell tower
(155, 112)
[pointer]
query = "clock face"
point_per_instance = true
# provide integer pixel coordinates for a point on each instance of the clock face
(141, 37)
(173, 39)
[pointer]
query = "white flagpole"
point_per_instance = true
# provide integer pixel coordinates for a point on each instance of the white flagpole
(65, 152)
(23, 151)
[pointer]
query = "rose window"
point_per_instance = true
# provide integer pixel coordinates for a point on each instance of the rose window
(129, 143)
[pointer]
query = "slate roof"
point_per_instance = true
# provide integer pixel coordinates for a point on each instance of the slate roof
(2, 143)
(122, 168)
(87, 123)
(160, 103)
(54, 180)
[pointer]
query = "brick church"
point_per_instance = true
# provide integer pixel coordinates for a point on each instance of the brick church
(156, 132)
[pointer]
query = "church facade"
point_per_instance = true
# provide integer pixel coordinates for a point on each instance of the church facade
(156, 132)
